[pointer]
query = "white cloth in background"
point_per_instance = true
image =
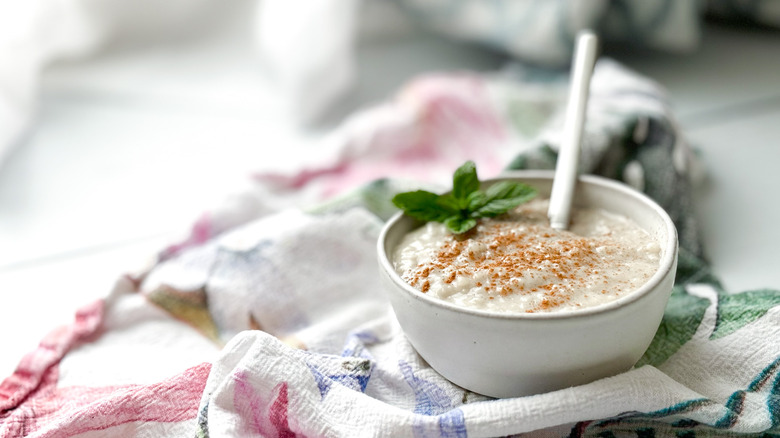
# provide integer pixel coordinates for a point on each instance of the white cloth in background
(31, 34)
(309, 48)
(35, 33)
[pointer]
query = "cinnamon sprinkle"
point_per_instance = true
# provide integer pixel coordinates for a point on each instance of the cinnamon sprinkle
(515, 255)
(524, 263)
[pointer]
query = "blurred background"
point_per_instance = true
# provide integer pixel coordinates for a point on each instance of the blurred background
(120, 122)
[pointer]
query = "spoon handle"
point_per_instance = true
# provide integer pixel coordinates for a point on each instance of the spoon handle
(569, 151)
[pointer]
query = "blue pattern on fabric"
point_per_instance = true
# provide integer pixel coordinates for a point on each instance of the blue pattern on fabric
(352, 374)
(677, 408)
(355, 345)
(734, 407)
(453, 424)
(736, 401)
(773, 402)
(323, 383)
(763, 377)
(430, 399)
(203, 421)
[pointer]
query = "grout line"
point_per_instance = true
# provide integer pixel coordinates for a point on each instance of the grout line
(78, 252)
(730, 112)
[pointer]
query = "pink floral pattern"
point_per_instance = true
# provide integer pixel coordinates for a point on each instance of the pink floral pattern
(263, 414)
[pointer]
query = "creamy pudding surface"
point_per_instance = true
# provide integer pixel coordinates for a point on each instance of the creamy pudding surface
(516, 263)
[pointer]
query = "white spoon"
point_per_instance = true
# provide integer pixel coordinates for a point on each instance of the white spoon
(569, 151)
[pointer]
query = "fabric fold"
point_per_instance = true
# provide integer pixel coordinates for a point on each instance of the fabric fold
(309, 346)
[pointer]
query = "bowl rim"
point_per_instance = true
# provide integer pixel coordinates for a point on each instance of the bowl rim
(666, 263)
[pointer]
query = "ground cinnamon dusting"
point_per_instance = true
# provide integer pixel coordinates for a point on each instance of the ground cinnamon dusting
(512, 255)
(526, 263)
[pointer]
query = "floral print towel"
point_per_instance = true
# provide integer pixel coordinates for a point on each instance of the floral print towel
(269, 320)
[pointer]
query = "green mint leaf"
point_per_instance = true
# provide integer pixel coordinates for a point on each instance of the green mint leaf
(504, 196)
(498, 206)
(465, 180)
(459, 224)
(476, 200)
(449, 202)
(510, 189)
(465, 205)
(460, 209)
(422, 205)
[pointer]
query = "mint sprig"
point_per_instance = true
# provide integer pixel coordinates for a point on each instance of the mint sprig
(460, 209)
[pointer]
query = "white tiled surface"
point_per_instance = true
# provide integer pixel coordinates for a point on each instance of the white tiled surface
(129, 148)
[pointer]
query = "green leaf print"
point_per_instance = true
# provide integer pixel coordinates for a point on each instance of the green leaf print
(542, 157)
(692, 269)
(682, 317)
(528, 118)
(190, 306)
(737, 310)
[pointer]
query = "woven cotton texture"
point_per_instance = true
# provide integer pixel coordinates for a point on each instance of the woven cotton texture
(269, 320)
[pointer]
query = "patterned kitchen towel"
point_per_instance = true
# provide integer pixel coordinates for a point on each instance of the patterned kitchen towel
(344, 367)
(269, 321)
(543, 32)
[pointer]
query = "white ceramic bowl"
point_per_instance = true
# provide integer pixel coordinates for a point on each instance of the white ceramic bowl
(508, 355)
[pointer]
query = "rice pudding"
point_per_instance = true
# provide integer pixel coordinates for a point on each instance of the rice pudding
(516, 263)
